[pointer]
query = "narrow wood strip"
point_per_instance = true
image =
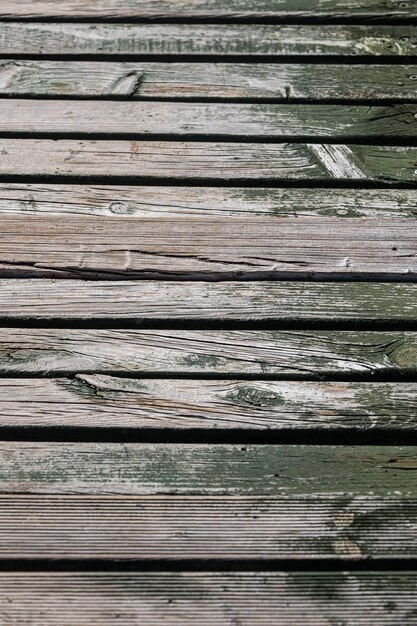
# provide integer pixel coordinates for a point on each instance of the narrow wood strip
(161, 9)
(164, 161)
(255, 599)
(203, 202)
(196, 469)
(208, 81)
(231, 352)
(229, 121)
(208, 39)
(167, 528)
(279, 302)
(102, 247)
(99, 401)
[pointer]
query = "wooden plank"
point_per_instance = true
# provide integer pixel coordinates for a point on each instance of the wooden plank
(267, 302)
(166, 528)
(215, 599)
(196, 469)
(199, 161)
(194, 40)
(103, 247)
(208, 81)
(163, 9)
(203, 202)
(229, 121)
(293, 353)
(100, 401)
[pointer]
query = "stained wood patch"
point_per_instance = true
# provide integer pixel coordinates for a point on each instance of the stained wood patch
(204, 202)
(99, 401)
(209, 39)
(232, 352)
(208, 248)
(208, 81)
(272, 302)
(260, 598)
(159, 160)
(229, 121)
(162, 9)
(165, 528)
(198, 469)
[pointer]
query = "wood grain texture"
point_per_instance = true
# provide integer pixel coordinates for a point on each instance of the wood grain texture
(268, 302)
(201, 469)
(100, 401)
(216, 248)
(301, 354)
(216, 599)
(229, 121)
(208, 81)
(72, 9)
(166, 528)
(204, 202)
(199, 161)
(179, 40)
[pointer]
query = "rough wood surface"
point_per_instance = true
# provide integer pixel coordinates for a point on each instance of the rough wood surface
(162, 9)
(208, 248)
(269, 302)
(200, 469)
(196, 202)
(208, 81)
(229, 121)
(216, 599)
(209, 39)
(167, 528)
(100, 401)
(200, 161)
(279, 353)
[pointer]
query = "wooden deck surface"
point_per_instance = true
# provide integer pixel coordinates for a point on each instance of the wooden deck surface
(208, 312)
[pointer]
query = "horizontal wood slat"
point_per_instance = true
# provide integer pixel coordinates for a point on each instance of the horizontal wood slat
(260, 598)
(204, 202)
(99, 401)
(282, 302)
(230, 121)
(72, 9)
(201, 40)
(209, 248)
(201, 469)
(158, 160)
(167, 528)
(208, 81)
(300, 354)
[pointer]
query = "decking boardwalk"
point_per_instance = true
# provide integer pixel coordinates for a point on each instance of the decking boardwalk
(208, 312)
(280, 82)
(215, 599)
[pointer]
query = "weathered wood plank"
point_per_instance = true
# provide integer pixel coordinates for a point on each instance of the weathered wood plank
(268, 302)
(229, 121)
(176, 528)
(200, 40)
(196, 469)
(162, 9)
(99, 401)
(199, 161)
(279, 353)
(202, 202)
(103, 247)
(216, 599)
(208, 81)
